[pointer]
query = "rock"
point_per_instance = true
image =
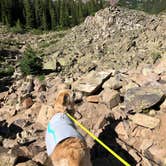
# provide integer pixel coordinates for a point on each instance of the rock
(146, 144)
(26, 137)
(121, 130)
(100, 123)
(3, 95)
(110, 97)
(28, 163)
(9, 143)
(30, 86)
(45, 114)
(145, 121)
(78, 96)
(40, 158)
(161, 66)
(129, 85)
(135, 155)
(12, 99)
(163, 106)
(118, 114)
(93, 99)
(138, 99)
(39, 86)
(146, 162)
(50, 64)
(91, 82)
(156, 154)
(113, 83)
(7, 159)
(90, 111)
(142, 79)
(152, 113)
(27, 103)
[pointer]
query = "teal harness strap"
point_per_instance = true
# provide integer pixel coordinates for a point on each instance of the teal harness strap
(51, 132)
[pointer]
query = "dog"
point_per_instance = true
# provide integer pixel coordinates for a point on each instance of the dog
(65, 145)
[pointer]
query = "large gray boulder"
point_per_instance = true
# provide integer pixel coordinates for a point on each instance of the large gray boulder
(141, 98)
(91, 82)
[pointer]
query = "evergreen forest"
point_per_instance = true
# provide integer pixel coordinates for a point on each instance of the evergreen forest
(46, 14)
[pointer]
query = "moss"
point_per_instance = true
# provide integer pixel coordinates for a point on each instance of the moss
(155, 56)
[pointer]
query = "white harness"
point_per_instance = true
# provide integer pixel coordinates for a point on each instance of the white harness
(59, 128)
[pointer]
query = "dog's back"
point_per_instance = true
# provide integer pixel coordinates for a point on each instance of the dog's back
(71, 152)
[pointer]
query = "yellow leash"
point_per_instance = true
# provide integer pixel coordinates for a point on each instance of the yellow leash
(99, 141)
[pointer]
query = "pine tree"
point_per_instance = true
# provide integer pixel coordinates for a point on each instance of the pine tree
(64, 14)
(52, 14)
(38, 13)
(29, 14)
(80, 15)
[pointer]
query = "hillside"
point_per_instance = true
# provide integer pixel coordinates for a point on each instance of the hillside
(115, 65)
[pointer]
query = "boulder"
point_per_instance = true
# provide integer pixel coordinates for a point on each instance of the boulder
(138, 99)
(145, 120)
(45, 114)
(91, 82)
(9, 143)
(110, 97)
(121, 130)
(27, 103)
(112, 83)
(144, 78)
(40, 158)
(50, 64)
(93, 99)
(7, 159)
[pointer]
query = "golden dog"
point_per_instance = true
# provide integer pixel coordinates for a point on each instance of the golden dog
(71, 151)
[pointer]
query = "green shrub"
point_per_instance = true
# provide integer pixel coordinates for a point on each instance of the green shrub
(30, 63)
(155, 56)
(8, 71)
(17, 28)
(41, 78)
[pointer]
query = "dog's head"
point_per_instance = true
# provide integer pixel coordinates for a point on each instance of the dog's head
(64, 102)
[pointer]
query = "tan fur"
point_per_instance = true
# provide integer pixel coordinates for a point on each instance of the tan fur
(71, 151)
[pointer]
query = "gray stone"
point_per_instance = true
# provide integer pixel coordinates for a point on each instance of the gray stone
(91, 82)
(138, 99)
(145, 120)
(113, 83)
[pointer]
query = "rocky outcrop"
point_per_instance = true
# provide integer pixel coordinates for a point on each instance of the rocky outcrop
(113, 38)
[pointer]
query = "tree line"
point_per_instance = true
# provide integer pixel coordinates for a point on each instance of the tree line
(46, 14)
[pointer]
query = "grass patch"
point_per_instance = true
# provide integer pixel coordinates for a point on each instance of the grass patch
(41, 78)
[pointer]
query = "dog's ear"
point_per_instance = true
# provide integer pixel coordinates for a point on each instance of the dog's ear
(63, 98)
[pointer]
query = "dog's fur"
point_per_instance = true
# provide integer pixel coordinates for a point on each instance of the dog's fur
(71, 151)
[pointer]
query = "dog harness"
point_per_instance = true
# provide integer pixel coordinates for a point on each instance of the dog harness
(59, 128)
